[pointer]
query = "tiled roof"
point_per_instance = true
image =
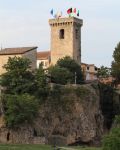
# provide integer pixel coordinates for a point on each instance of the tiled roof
(18, 50)
(43, 55)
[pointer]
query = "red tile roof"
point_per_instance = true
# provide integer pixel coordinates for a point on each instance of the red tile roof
(43, 55)
(18, 50)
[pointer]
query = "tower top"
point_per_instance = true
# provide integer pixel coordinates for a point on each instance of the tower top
(65, 21)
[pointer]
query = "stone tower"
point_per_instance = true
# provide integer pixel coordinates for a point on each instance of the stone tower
(65, 38)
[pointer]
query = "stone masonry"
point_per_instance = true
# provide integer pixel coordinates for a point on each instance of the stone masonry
(65, 38)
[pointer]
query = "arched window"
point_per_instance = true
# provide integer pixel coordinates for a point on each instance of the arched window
(61, 34)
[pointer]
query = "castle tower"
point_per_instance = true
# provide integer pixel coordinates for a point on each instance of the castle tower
(65, 38)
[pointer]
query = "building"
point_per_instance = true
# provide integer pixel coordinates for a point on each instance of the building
(65, 38)
(90, 71)
(25, 52)
(44, 59)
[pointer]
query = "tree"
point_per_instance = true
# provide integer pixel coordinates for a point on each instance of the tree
(104, 72)
(116, 63)
(19, 109)
(74, 68)
(18, 79)
(19, 104)
(41, 84)
(60, 75)
(112, 140)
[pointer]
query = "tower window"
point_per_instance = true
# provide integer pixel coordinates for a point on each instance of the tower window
(87, 68)
(77, 33)
(61, 34)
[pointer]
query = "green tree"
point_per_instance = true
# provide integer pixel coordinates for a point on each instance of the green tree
(59, 75)
(104, 72)
(19, 86)
(41, 84)
(18, 79)
(112, 140)
(19, 109)
(116, 63)
(73, 68)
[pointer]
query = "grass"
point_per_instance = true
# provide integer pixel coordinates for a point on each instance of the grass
(40, 147)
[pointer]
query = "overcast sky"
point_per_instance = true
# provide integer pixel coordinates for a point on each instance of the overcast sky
(25, 23)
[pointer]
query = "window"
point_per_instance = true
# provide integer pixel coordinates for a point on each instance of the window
(61, 34)
(87, 68)
(96, 69)
(77, 33)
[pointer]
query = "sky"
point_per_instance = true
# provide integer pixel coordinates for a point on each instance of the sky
(25, 23)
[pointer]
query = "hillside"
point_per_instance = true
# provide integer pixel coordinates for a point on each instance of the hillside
(70, 115)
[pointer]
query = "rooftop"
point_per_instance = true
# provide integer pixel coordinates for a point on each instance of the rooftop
(43, 55)
(17, 50)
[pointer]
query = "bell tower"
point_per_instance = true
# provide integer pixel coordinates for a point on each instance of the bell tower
(65, 38)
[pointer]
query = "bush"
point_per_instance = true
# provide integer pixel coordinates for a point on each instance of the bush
(60, 75)
(112, 141)
(19, 109)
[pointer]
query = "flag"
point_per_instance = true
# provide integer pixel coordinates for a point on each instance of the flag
(51, 12)
(69, 10)
(78, 13)
(74, 10)
(58, 15)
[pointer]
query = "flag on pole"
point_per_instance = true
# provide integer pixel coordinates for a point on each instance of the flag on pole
(69, 10)
(74, 10)
(59, 14)
(51, 12)
(78, 13)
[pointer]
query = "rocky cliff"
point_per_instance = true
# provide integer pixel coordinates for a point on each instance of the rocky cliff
(70, 115)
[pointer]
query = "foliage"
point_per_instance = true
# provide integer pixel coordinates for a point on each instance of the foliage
(41, 84)
(21, 89)
(112, 141)
(19, 109)
(103, 72)
(39, 147)
(66, 71)
(106, 103)
(82, 92)
(117, 119)
(116, 63)
(72, 67)
(59, 99)
(18, 79)
(60, 75)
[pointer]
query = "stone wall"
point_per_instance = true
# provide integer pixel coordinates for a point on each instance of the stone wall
(32, 55)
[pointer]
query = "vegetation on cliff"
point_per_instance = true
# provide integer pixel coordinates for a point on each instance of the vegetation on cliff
(66, 71)
(112, 140)
(116, 63)
(19, 96)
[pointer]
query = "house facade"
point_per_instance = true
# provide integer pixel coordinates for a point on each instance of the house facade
(89, 71)
(25, 52)
(44, 59)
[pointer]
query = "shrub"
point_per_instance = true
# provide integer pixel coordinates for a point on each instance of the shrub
(19, 109)
(112, 141)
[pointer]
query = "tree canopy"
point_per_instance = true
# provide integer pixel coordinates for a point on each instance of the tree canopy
(104, 72)
(66, 71)
(116, 63)
(23, 91)
(18, 79)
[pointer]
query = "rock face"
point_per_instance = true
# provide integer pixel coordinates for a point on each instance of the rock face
(73, 116)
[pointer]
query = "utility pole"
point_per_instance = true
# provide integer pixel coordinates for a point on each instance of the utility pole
(75, 78)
